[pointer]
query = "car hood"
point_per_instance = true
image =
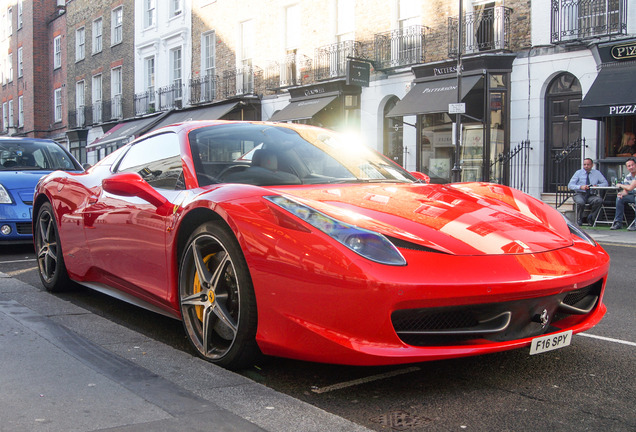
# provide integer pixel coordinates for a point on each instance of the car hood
(461, 219)
(22, 182)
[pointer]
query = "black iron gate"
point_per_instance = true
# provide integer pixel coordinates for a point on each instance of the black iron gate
(513, 168)
(566, 162)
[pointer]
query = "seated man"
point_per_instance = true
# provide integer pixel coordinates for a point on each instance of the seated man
(580, 183)
(627, 194)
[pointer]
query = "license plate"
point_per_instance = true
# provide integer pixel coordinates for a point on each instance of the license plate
(550, 342)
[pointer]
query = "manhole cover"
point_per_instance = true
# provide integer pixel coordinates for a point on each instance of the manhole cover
(400, 420)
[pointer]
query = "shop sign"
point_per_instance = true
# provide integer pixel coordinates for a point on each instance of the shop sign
(622, 109)
(624, 52)
(358, 73)
(314, 91)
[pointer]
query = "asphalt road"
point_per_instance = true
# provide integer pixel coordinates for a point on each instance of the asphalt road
(589, 385)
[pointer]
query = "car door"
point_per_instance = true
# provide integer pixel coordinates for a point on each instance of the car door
(126, 235)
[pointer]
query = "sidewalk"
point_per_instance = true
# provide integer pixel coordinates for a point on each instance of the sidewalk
(65, 369)
(604, 235)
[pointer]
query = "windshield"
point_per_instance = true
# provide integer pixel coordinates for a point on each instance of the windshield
(265, 154)
(25, 155)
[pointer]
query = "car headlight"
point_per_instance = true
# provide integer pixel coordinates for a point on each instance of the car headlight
(369, 244)
(574, 229)
(4, 196)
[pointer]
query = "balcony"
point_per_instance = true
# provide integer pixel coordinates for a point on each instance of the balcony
(204, 89)
(241, 81)
(145, 102)
(116, 108)
(292, 70)
(585, 19)
(485, 30)
(400, 47)
(170, 97)
(331, 60)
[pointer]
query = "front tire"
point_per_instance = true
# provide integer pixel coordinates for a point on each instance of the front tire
(53, 272)
(218, 305)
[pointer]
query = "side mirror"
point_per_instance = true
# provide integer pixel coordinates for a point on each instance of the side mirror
(421, 176)
(132, 185)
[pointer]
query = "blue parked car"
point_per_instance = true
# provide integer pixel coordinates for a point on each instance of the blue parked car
(23, 161)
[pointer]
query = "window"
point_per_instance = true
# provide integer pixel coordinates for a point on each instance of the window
(5, 118)
(10, 21)
(115, 92)
(57, 52)
(149, 85)
(175, 8)
(80, 44)
(97, 36)
(20, 63)
(345, 24)
(289, 68)
(117, 26)
(158, 160)
(10, 68)
(209, 54)
(245, 79)
(80, 87)
(149, 13)
(57, 97)
(149, 74)
(97, 98)
(10, 112)
(19, 14)
(176, 71)
(20, 111)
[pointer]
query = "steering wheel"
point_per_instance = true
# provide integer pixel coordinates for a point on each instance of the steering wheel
(231, 169)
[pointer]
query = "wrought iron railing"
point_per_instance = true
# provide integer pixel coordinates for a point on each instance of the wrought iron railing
(116, 108)
(97, 111)
(583, 19)
(170, 97)
(513, 167)
(81, 117)
(483, 30)
(294, 69)
(240, 81)
(565, 162)
(331, 60)
(400, 47)
(203, 89)
(145, 102)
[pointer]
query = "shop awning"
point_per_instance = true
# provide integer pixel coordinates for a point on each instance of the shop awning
(122, 133)
(302, 109)
(432, 96)
(613, 93)
(213, 112)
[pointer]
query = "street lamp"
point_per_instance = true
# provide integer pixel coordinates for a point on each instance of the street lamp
(457, 169)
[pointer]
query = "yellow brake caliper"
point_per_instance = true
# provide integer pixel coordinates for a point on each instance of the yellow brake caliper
(196, 288)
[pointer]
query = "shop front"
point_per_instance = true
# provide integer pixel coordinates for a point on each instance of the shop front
(612, 101)
(333, 105)
(485, 83)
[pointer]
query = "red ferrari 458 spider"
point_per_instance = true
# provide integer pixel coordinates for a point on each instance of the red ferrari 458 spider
(295, 241)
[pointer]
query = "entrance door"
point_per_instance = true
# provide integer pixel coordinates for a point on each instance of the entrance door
(393, 146)
(563, 123)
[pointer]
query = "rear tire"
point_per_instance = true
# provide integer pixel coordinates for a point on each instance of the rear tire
(50, 258)
(217, 300)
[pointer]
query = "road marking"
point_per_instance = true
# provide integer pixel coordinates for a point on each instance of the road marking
(609, 339)
(18, 261)
(364, 380)
(608, 243)
(19, 272)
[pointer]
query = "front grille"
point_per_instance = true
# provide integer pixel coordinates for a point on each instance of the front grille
(495, 321)
(24, 228)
